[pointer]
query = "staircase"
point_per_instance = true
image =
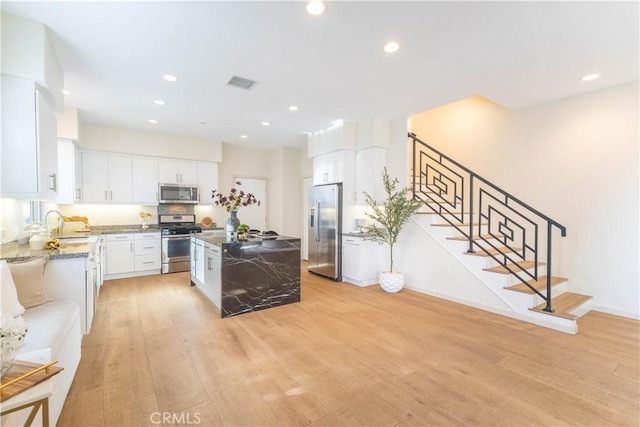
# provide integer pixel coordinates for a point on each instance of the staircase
(504, 242)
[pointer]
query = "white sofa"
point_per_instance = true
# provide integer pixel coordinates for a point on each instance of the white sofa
(54, 325)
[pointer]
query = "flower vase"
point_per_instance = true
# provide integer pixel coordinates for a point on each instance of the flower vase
(232, 223)
(7, 363)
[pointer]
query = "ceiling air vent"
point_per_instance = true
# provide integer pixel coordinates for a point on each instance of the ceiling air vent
(242, 83)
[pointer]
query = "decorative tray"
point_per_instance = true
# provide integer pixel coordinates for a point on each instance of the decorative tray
(267, 237)
(24, 375)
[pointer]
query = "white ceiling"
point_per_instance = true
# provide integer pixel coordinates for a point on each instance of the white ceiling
(332, 66)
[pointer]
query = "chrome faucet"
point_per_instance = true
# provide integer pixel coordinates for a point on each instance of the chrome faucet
(61, 219)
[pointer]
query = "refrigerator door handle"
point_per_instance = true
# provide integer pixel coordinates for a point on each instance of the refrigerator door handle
(317, 220)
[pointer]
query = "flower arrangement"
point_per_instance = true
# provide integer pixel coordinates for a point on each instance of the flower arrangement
(235, 200)
(145, 219)
(12, 333)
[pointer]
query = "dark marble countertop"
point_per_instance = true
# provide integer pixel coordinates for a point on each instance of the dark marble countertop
(251, 242)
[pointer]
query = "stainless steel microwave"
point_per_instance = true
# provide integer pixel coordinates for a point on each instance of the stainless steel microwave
(178, 193)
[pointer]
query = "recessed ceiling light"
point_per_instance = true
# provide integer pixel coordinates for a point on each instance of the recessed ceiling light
(66, 91)
(316, 7)
(590, 77)
(154, 121)
(293, 108)
(243, 136)
(265, 123)
(391, 47)
(159, 102)
(170, 78)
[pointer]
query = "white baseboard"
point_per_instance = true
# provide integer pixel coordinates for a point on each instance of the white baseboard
(133, 274)
(555, 323)
(616, 312)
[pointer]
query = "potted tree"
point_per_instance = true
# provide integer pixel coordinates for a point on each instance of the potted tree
(390, 218)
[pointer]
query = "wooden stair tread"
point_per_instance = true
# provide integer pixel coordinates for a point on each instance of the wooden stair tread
(540, 284)
(520, 265)
(563, 304)
(464, 239)
(492, 251)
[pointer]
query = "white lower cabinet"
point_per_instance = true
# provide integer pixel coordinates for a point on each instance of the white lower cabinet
(206, 263)
(75, 279)
(147, 250)
(133, 253)
(120, 254)
(360, 261)
(197, 261)
(212, 263)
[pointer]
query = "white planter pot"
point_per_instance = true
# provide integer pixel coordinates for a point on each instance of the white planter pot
(391, 281)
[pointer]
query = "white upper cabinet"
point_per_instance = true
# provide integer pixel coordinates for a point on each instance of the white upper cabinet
(120, 179)
(207, 181)
(27, 52)
(334, 167)
(29, 143)
(107, 178)
(340, 135)
(66, 172)
(145, 180)
(177, 171)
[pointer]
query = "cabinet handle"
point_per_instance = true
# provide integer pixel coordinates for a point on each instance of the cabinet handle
(120, 237)
(54, 182)
(106, 195)
(111, 194)
(180, 177)
(148, 247)
(156, 196)
(78, 194)
(177, 179)
(131, 247)
(149, 262)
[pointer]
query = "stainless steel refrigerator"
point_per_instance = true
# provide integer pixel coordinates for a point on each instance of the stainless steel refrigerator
(325, 230)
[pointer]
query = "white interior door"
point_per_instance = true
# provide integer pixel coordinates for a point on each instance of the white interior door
(304, 245)
(255, 216)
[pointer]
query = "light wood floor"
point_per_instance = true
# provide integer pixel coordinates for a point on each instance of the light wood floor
(344, 356)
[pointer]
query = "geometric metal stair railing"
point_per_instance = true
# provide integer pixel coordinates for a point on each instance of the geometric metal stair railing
(516, 236)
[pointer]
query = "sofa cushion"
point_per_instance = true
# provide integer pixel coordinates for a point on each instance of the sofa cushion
(48, 325)
(10, 304)
(29, 279)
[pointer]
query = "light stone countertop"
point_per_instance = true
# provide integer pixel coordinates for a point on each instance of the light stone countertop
(69, 248)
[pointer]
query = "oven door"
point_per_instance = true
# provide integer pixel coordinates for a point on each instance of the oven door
(175, 248)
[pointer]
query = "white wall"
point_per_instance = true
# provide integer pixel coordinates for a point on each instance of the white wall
(285, 196)
(121, 140)
(574, 159)
(12, 218)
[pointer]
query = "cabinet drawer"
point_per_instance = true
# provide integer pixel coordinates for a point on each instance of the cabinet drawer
(147, 247)
(142, 236)
(147, 262)
(119, 237)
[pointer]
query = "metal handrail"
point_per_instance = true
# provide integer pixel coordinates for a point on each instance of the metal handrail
(500, 257)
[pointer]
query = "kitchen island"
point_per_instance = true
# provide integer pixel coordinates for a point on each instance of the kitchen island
(242, 277)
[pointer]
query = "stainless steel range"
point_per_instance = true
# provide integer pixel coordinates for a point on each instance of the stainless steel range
(176, 231)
